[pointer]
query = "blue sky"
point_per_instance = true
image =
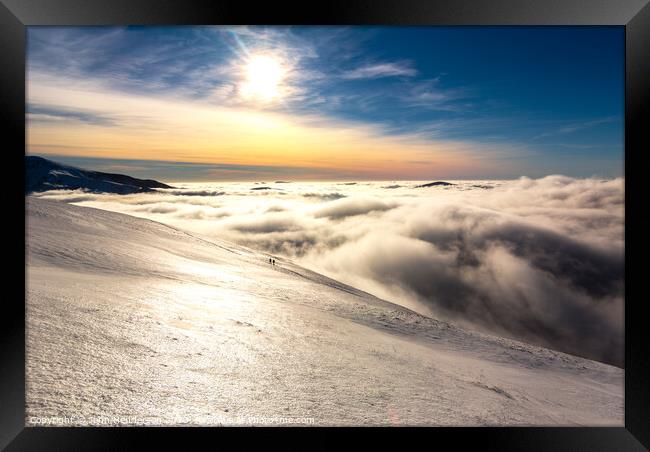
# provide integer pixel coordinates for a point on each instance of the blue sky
(492, 102)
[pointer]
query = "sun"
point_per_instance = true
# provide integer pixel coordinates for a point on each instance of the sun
(263, 77)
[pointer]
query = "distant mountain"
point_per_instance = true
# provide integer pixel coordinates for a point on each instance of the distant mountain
(42, 175)
(434, 184)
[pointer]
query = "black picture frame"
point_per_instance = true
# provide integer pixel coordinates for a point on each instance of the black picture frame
(634, 15)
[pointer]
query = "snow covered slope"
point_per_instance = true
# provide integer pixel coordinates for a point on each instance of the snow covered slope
(128, 317)
(42, 174)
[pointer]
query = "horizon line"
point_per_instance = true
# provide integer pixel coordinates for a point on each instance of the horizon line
(138, 167)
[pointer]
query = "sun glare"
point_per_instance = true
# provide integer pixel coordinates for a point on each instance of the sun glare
(263, 78)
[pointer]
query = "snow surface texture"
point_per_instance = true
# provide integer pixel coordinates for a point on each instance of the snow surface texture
(131, 318)
(537, 260)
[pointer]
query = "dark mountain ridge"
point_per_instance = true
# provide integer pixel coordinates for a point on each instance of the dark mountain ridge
(434, 184)
(42, 175)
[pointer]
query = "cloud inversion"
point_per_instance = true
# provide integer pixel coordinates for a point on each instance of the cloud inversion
(539, 260)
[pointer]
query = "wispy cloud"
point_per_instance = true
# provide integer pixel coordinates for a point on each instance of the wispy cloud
(575, 126)
(430, 94)
(41, 113)
(398, 69)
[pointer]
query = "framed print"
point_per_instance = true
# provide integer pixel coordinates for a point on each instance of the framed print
(418, 216)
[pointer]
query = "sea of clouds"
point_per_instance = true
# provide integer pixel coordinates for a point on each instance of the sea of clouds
(538, 260)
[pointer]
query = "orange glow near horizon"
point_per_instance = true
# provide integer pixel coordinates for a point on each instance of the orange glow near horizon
(145, 128)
